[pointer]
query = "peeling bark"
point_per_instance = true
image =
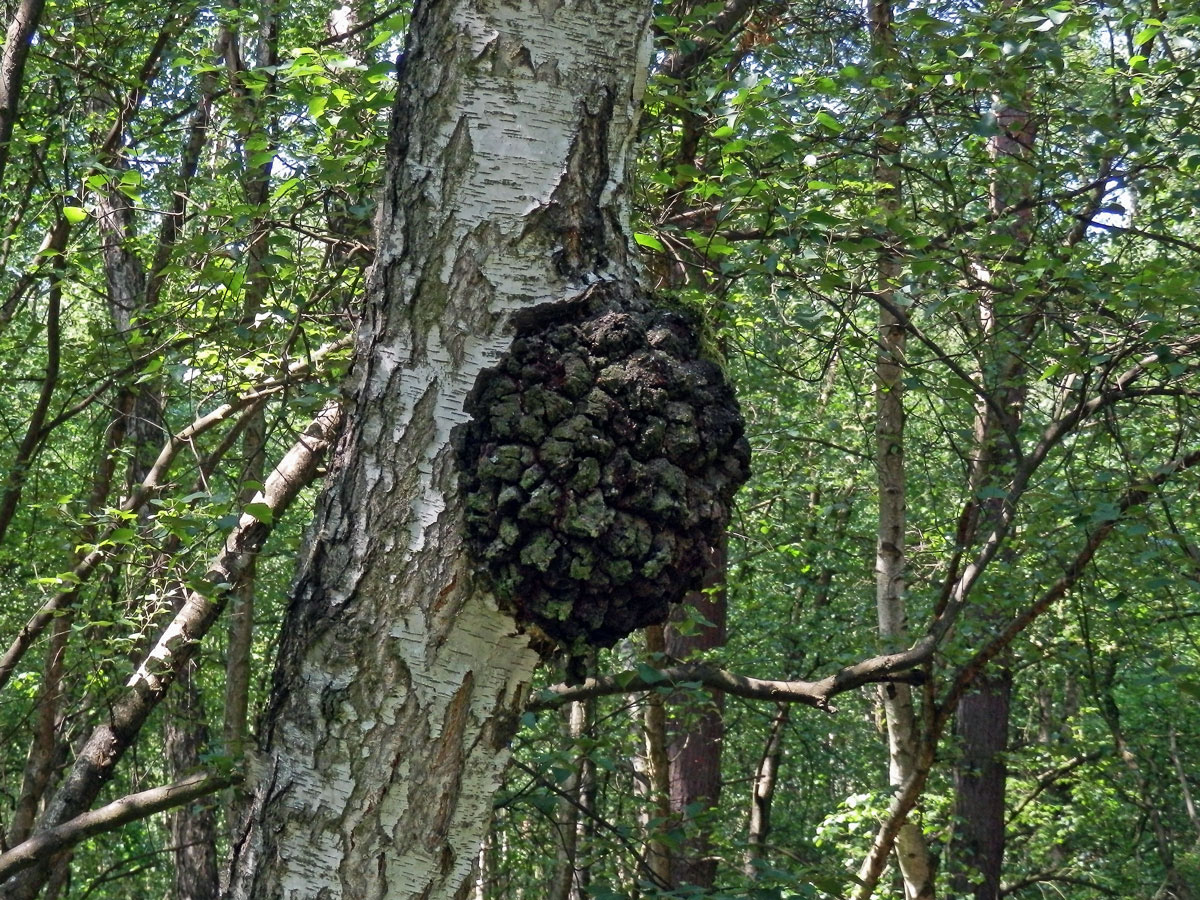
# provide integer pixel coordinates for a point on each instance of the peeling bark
(400, 679)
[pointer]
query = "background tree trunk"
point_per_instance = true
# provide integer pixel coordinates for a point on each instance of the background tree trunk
(891, 558)
(980, 778)
(697, 732)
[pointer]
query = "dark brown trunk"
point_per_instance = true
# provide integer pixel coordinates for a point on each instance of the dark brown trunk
(12, 69)
(697, 732)
(979, 782)
(977, 850)
(44, 747)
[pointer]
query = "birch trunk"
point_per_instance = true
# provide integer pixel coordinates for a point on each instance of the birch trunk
(400, 680)
(565, 884)
(260, 122)
(912, 854)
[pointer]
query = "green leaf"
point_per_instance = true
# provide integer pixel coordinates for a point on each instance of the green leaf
(260, 511)
(123, 536)
(74, 214)
(649, 674)
(648, 240)
(829, 122)
(1145, 36)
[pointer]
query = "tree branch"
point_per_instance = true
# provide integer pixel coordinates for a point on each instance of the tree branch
(1135, 496)
(178, 644)
(679, 62)
(110, 817)
(892, 667)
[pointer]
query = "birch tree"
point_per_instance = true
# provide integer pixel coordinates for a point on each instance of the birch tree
(401, 676)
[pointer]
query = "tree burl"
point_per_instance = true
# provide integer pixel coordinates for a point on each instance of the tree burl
(599, 466)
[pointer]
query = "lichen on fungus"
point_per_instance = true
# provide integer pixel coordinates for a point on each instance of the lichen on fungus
(598, 467)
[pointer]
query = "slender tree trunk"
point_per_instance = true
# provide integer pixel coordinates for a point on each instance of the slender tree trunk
(891, 561)
(697, 733)
(980, 778)
(763, 793)
(255, 110)
(656, 815)
(193, 828)
(565, 882)
(400, 681)
(17, 41)
(43, 749)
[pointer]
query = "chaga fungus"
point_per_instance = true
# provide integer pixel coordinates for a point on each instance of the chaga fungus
(598, 467)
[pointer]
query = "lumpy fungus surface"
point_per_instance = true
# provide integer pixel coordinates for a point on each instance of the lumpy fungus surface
(598, 468)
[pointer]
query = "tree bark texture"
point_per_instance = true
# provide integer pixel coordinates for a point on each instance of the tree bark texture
(400, 679)
(979, 782)
(891, 557)
(696, 730)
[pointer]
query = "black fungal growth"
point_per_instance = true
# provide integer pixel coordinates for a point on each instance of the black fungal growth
(598, 468)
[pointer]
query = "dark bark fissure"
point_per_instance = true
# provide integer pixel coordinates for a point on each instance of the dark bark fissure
(575, 212)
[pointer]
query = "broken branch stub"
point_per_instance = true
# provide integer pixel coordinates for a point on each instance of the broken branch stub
(599, 466)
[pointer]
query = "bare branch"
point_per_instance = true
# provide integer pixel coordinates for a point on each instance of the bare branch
(892, 667)
(110, 817)
(19, 468)
(1134, 496)
(363, 26)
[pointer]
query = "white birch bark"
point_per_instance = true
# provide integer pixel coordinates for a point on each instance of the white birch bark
(400, 679)
(891, 561)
